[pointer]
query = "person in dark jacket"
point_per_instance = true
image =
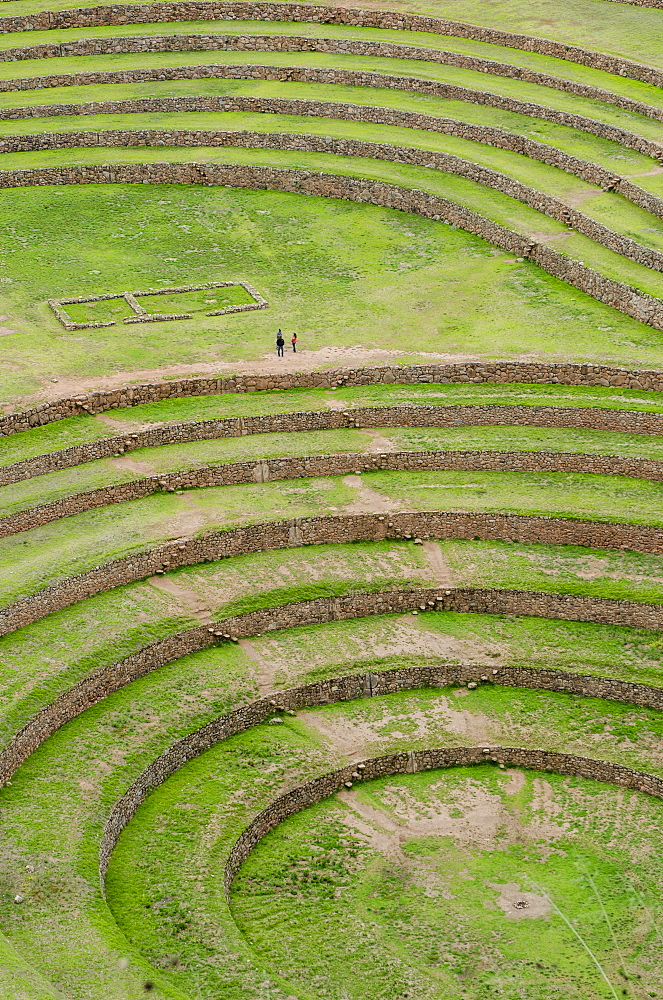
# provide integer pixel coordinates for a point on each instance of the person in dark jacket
(280, 343)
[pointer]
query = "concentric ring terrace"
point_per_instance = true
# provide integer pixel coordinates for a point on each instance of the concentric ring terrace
(335, 675)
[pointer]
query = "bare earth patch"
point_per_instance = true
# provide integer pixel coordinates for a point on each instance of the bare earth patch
(188, 599)
(368, 501)
(133, 465)
(519, 905)
(438, 565)
(473, 816)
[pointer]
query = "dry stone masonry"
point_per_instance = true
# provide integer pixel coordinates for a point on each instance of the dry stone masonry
(472, 415)
(548, 205)
(471, 372)
(293, 43)
(141, 315)
(627, 299)
(343, 529)
(349, 688)
(489, 135)
(411, 762)
(104, 681)
(204, 10)
(340, 77)
(270, 469)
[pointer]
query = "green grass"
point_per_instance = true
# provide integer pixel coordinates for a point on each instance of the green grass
(387, 270)
(103, 629)
(632, 32)
(65, 927)
(473, 79)
(557, 67)
(610, 209)
(191, 821)
(173, 458)
(321, 911)
(182, 302)
(607, 153)
(487, 203)
(430, 918)
(82, 429)
(487, 640)
(75, 544)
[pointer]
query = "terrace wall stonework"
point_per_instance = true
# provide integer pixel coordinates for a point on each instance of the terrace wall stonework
(546, 204)
(472, 372)
(639, 305)
(487, 134)
(621, 421)
(339, 77)
(348, 688)
(344, 529)
(106, 680)
(411, 762)
(189, 10)
(301, 43)
(271, 469)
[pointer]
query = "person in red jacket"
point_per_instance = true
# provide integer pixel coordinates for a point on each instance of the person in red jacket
(294, 343)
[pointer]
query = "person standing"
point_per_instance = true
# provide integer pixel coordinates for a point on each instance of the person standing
(280, 343)
(294, 343)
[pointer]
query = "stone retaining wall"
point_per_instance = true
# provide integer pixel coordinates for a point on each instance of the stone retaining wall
(620, 421)
(366, 114)
(270, 469)
(639, 305)
(301, 43)
(339, 77)
(473, 372)
(106, 680)
(343, 529)
(190, 10)
(349, 688)
(544, 203)
(410, 762)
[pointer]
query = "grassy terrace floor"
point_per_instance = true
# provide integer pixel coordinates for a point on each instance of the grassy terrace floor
(75, 544)
(392, 273)
(250, 770)
(475, 80)
(634, 89)
(584, 145)
(83, 429)
(632, 33)
(46, 658)
(405, 888)
(145, 462)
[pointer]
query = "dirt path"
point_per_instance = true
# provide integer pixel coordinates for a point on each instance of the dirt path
(265, 669)
(133, 465)
(268, 364)
(437, 564)
(189, 600)
(378, 442)
(368, 501)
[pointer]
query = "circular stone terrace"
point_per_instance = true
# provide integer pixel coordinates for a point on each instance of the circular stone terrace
(336, 675)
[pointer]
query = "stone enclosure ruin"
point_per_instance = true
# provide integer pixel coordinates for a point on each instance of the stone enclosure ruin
(143, 316)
